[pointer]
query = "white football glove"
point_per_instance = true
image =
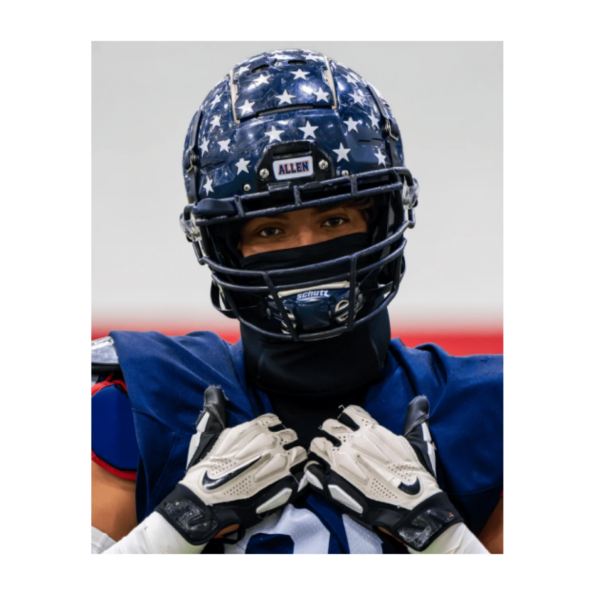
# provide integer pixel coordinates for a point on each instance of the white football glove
(384, 481)
(236, 476)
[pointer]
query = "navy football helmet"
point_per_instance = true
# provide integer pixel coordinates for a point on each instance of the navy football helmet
(289, 130)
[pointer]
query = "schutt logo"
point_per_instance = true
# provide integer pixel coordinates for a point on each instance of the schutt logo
(313, 294)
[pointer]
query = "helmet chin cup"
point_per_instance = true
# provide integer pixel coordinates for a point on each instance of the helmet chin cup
(314, 308)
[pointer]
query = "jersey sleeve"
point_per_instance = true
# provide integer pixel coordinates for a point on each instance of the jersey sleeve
(470, 415)
(466, 421)
(113, 440)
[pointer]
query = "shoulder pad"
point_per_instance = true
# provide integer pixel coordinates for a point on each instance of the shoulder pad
(104, 358)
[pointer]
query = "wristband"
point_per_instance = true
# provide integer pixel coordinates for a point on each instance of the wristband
(100, 541)
(457, 539)
(154, 536)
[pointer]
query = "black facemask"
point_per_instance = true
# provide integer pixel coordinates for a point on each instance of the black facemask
(328, 367)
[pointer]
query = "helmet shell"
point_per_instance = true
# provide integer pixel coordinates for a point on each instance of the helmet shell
(282, 97)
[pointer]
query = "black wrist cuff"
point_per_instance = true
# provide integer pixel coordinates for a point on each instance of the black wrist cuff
(189, 515)
(426, 522)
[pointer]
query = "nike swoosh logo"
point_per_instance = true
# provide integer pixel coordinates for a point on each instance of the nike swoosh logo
(411, 489)
(211, 484)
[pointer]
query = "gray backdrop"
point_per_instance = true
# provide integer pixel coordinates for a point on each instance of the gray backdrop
(447, 98)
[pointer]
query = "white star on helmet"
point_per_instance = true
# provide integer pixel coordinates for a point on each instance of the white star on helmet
(282, 57)
(216, 121)
(247, 107)
(299, 74)
(321, 95)
(308, 130)
(357, 98)
(274, 134)
(374, 121)
(242, 165)
(381, 158)
(341, 153)
(312, 56)
(285, 98)
(261, 80)
(352, 124)
(208, 186)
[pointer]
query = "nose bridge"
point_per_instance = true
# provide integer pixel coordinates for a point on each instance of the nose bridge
(306, 234)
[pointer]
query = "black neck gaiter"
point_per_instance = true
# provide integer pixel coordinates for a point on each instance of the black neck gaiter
(308, 383)
(328, 367)
(325, 368)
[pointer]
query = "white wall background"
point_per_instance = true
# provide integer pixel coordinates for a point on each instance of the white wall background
(447, 98)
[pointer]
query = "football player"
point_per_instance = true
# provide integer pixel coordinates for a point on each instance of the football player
(298, 201)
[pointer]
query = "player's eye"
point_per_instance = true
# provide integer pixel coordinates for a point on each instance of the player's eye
(267, 232)
(334, 221)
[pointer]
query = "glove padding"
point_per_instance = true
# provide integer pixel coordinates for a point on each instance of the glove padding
(236, 475)
(384, 481)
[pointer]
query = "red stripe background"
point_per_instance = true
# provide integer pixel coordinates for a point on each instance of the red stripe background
(455, 341)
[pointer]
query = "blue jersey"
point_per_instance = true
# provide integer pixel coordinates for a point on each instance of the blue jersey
(166, 378)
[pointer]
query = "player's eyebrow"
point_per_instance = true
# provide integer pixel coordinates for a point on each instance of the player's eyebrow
(321, 209)
(325, 208)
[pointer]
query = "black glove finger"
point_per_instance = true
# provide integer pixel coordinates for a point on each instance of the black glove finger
(211, 422)
(251, 511)
(316, 476)
(337, 490)
(418, 412)
(354, 417)
(418, 434)
(214, 405)
(345, 419)
(276, 496)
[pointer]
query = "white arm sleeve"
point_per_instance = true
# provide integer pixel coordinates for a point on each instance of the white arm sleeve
(153, 536)
(455, 540)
